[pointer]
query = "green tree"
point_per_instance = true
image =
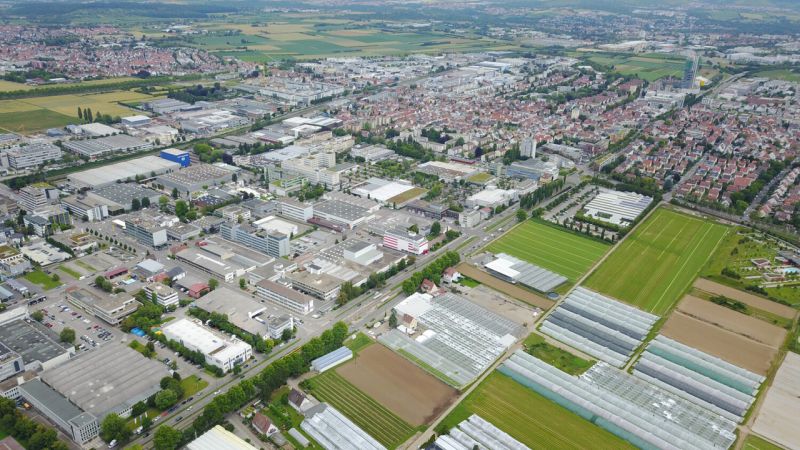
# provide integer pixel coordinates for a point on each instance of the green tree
(181, 209)
(165, 399)
(136, 204)
(393, 320)
(67, 335)
(436, 228)
(145, 202)
(163, 201)
(55, 277)
(80, 113)
(414, 228)
(286, 334)
(114, 427)
(166, 438)
(521, 215)
(37, 316)
(213, 283)
(175, 193)
(242, 283)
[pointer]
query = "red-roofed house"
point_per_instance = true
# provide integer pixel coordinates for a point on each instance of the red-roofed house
(263, 425)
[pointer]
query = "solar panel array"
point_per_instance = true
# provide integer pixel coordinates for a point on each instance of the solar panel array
(642, 413)
(704, 379)
(466, 338)
(599, 326)
(476, 432)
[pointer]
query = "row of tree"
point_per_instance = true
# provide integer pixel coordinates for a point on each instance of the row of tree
(432, 271)
(32, 435)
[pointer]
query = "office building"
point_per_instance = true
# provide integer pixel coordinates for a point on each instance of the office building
(32, 155)
(150, 231)
(82, 427)
(111, 308)
(12, 262)
(292, 209)
(272, 243)
(285, 296)
(165, 295)
(319, 285)
(88, 208)
(406, 241)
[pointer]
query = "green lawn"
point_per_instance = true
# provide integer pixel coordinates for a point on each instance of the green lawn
(359, 343)
(469, 282)
(530, 418)
(371, 416)
(42, 279)
(656, 264)
(192, 385)
(551, 247)
(535, 345)
(34, 120)
(70, 272)
(85, 265)
(753, 442)
(650, 67)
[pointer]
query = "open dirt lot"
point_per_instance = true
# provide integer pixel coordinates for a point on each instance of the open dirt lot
(732, 347)
(498, 303)
(777, 418)
(504, 287)
(396, 383)
(746, 298)
(730, 320)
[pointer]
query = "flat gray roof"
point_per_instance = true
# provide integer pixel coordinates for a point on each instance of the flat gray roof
(31, 341)
(105, 379)
(124, 193)
(56, 403)
(238, 307)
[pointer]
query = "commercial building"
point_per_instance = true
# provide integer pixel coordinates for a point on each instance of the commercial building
(278, 324)
(119, 196)
(319, 285)
(234, 212)
(96, 129)
(145, 166)
(149, 230)
(344, 214)
(272, 243)
(111, 308)
(10, 363)
(12, 262)
(82, 427)
(183, 231)
(219, 350)
(177, 156)
(492, 197)
(285, 296)
(219, 438)
(383, 191)
(84, 207)
(372, 153)
(32, 155)
(135, 121)
(37, 196)
(405, 241)
(292, 209)
(334, 431)
(215, 261)
(43, 253)
(165, 295)
(241, 310)
(534, 169)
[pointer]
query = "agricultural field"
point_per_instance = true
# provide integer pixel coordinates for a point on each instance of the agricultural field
(776, 419)
(536, 345)
(753, 442)
(40, 113)
(9, 86)
(650, 67)
(657, 263)
(744, 341)
(550, 247)
(732, 265)
(779, 74)
(372, 417)
(405, 389)
(530, 418)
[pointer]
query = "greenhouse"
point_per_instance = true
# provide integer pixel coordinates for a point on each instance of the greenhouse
(476, 432)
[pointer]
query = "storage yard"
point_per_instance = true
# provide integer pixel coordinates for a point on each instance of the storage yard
(405, 389)
(655, 265)
(552, 248)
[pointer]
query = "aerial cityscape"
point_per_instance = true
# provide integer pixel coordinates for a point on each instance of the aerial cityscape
(374, 225)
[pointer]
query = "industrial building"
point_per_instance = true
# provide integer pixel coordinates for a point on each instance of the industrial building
(334, 431)
(533, 169)
(319, 285)
(37, 346)
(175, 155)
(219, 438)
(382, 190)
(492, 197)
(119, 196)
(148, 230)
(295, 210)
(219, 350)
(93, 148)
(121, 171)
(285, 296)
(344, 214)
(599, 326)
(405, 241)
(135, 121)
(81, 426)
(195, 177)
(618, 208)
(88, 208)
(241, 310)
(12, 262)
(372, 153)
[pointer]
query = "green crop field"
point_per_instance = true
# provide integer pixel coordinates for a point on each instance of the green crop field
(530, 418)
(550, 247)
(753, 442)
(34, 120)
(650, 67)
(656, 264)
(368, 414)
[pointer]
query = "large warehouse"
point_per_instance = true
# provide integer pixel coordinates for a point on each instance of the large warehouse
(619, 208)
(121, 171)
(195, 177)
